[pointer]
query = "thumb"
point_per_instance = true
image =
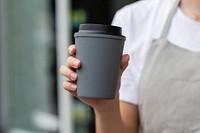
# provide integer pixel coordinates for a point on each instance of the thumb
(124, 62)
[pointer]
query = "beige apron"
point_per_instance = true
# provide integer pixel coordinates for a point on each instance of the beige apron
(169, 89)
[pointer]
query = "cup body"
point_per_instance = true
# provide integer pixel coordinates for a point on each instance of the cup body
(100, 56)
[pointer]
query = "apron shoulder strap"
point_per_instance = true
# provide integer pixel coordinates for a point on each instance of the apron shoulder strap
(167, 24)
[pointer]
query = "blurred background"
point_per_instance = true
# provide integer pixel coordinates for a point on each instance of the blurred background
(34, 35)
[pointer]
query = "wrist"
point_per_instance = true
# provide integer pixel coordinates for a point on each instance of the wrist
(108, 117)
(108, 109)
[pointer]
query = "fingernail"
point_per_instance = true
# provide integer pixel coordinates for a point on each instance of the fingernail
(76, 63)
(73, 87)
(73, 76)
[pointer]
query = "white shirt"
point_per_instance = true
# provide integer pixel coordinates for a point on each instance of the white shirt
(141, 23)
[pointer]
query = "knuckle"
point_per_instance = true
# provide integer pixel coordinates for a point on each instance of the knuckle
(69, 60)
(69, 86)
(62, 69)
(66, 86)
(65, 71)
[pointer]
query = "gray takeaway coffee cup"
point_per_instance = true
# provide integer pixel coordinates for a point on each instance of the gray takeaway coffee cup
(99, 48)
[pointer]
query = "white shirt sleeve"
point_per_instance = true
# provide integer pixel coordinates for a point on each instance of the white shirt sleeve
(128, 89)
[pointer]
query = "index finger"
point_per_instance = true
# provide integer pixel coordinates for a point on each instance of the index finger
(72, 49)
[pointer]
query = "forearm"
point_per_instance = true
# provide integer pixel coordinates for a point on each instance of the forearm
(108, 120)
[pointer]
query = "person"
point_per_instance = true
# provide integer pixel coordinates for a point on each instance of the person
(159, 88)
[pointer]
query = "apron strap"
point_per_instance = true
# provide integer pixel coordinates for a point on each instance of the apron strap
(169, 19)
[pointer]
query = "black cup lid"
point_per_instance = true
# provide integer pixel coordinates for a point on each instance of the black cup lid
(100, 29)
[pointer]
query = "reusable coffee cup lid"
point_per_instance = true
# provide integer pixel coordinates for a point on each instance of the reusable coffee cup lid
(100, 29)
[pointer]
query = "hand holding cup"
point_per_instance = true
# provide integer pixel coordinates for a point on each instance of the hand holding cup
(96, 64)
(70, 85)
